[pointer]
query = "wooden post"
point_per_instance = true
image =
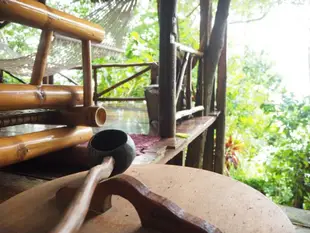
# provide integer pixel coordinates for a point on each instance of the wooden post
(208, 155)
(221, 106)
(45, 80)
(1, 76)
(213, 51)
(167, 69)
(196, 148)
(154, 74)
(95, 98)
(87, 73)
(51, 79)
(40, 62)
(189, 84)
(205, 31)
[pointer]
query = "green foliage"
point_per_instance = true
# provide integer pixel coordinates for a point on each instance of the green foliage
(289, 137)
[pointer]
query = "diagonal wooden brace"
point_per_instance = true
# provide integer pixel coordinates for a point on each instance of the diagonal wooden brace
(155, 212)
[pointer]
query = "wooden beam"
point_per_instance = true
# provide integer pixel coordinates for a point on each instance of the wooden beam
(221, 106)
(118, 65)
(87, 73)
(189, 84)
(123, 81)
(39, 66)
(167, 69)
(180, 78)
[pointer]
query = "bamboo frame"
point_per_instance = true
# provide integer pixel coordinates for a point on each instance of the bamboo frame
(23, 96)
(23, 147)
(40, 62)
(38, 15)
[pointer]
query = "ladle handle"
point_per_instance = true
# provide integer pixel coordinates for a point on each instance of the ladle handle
(76, 212)
(155, 212)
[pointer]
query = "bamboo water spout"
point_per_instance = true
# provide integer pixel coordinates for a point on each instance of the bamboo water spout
(23, 147)
(87, 116)
(21, 96)
(35, 14)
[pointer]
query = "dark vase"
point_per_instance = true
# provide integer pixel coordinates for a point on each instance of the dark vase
(114, 143)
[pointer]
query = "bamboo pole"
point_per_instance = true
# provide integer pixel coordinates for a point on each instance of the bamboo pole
(38, 15)
(83, 116)
(27, 146)
(22, 96)
(40, 61)
(87, 73)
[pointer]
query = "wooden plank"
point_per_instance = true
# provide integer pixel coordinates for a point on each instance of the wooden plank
(39, 66)
(167, 69)
(192, 128)
(87, 73)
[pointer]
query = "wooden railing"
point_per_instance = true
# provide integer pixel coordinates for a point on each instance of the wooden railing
(99, 96)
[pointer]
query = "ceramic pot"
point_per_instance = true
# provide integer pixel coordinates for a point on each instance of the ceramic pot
(114, 143)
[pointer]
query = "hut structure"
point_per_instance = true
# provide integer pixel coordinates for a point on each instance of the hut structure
(178, 126)
(60, 120)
